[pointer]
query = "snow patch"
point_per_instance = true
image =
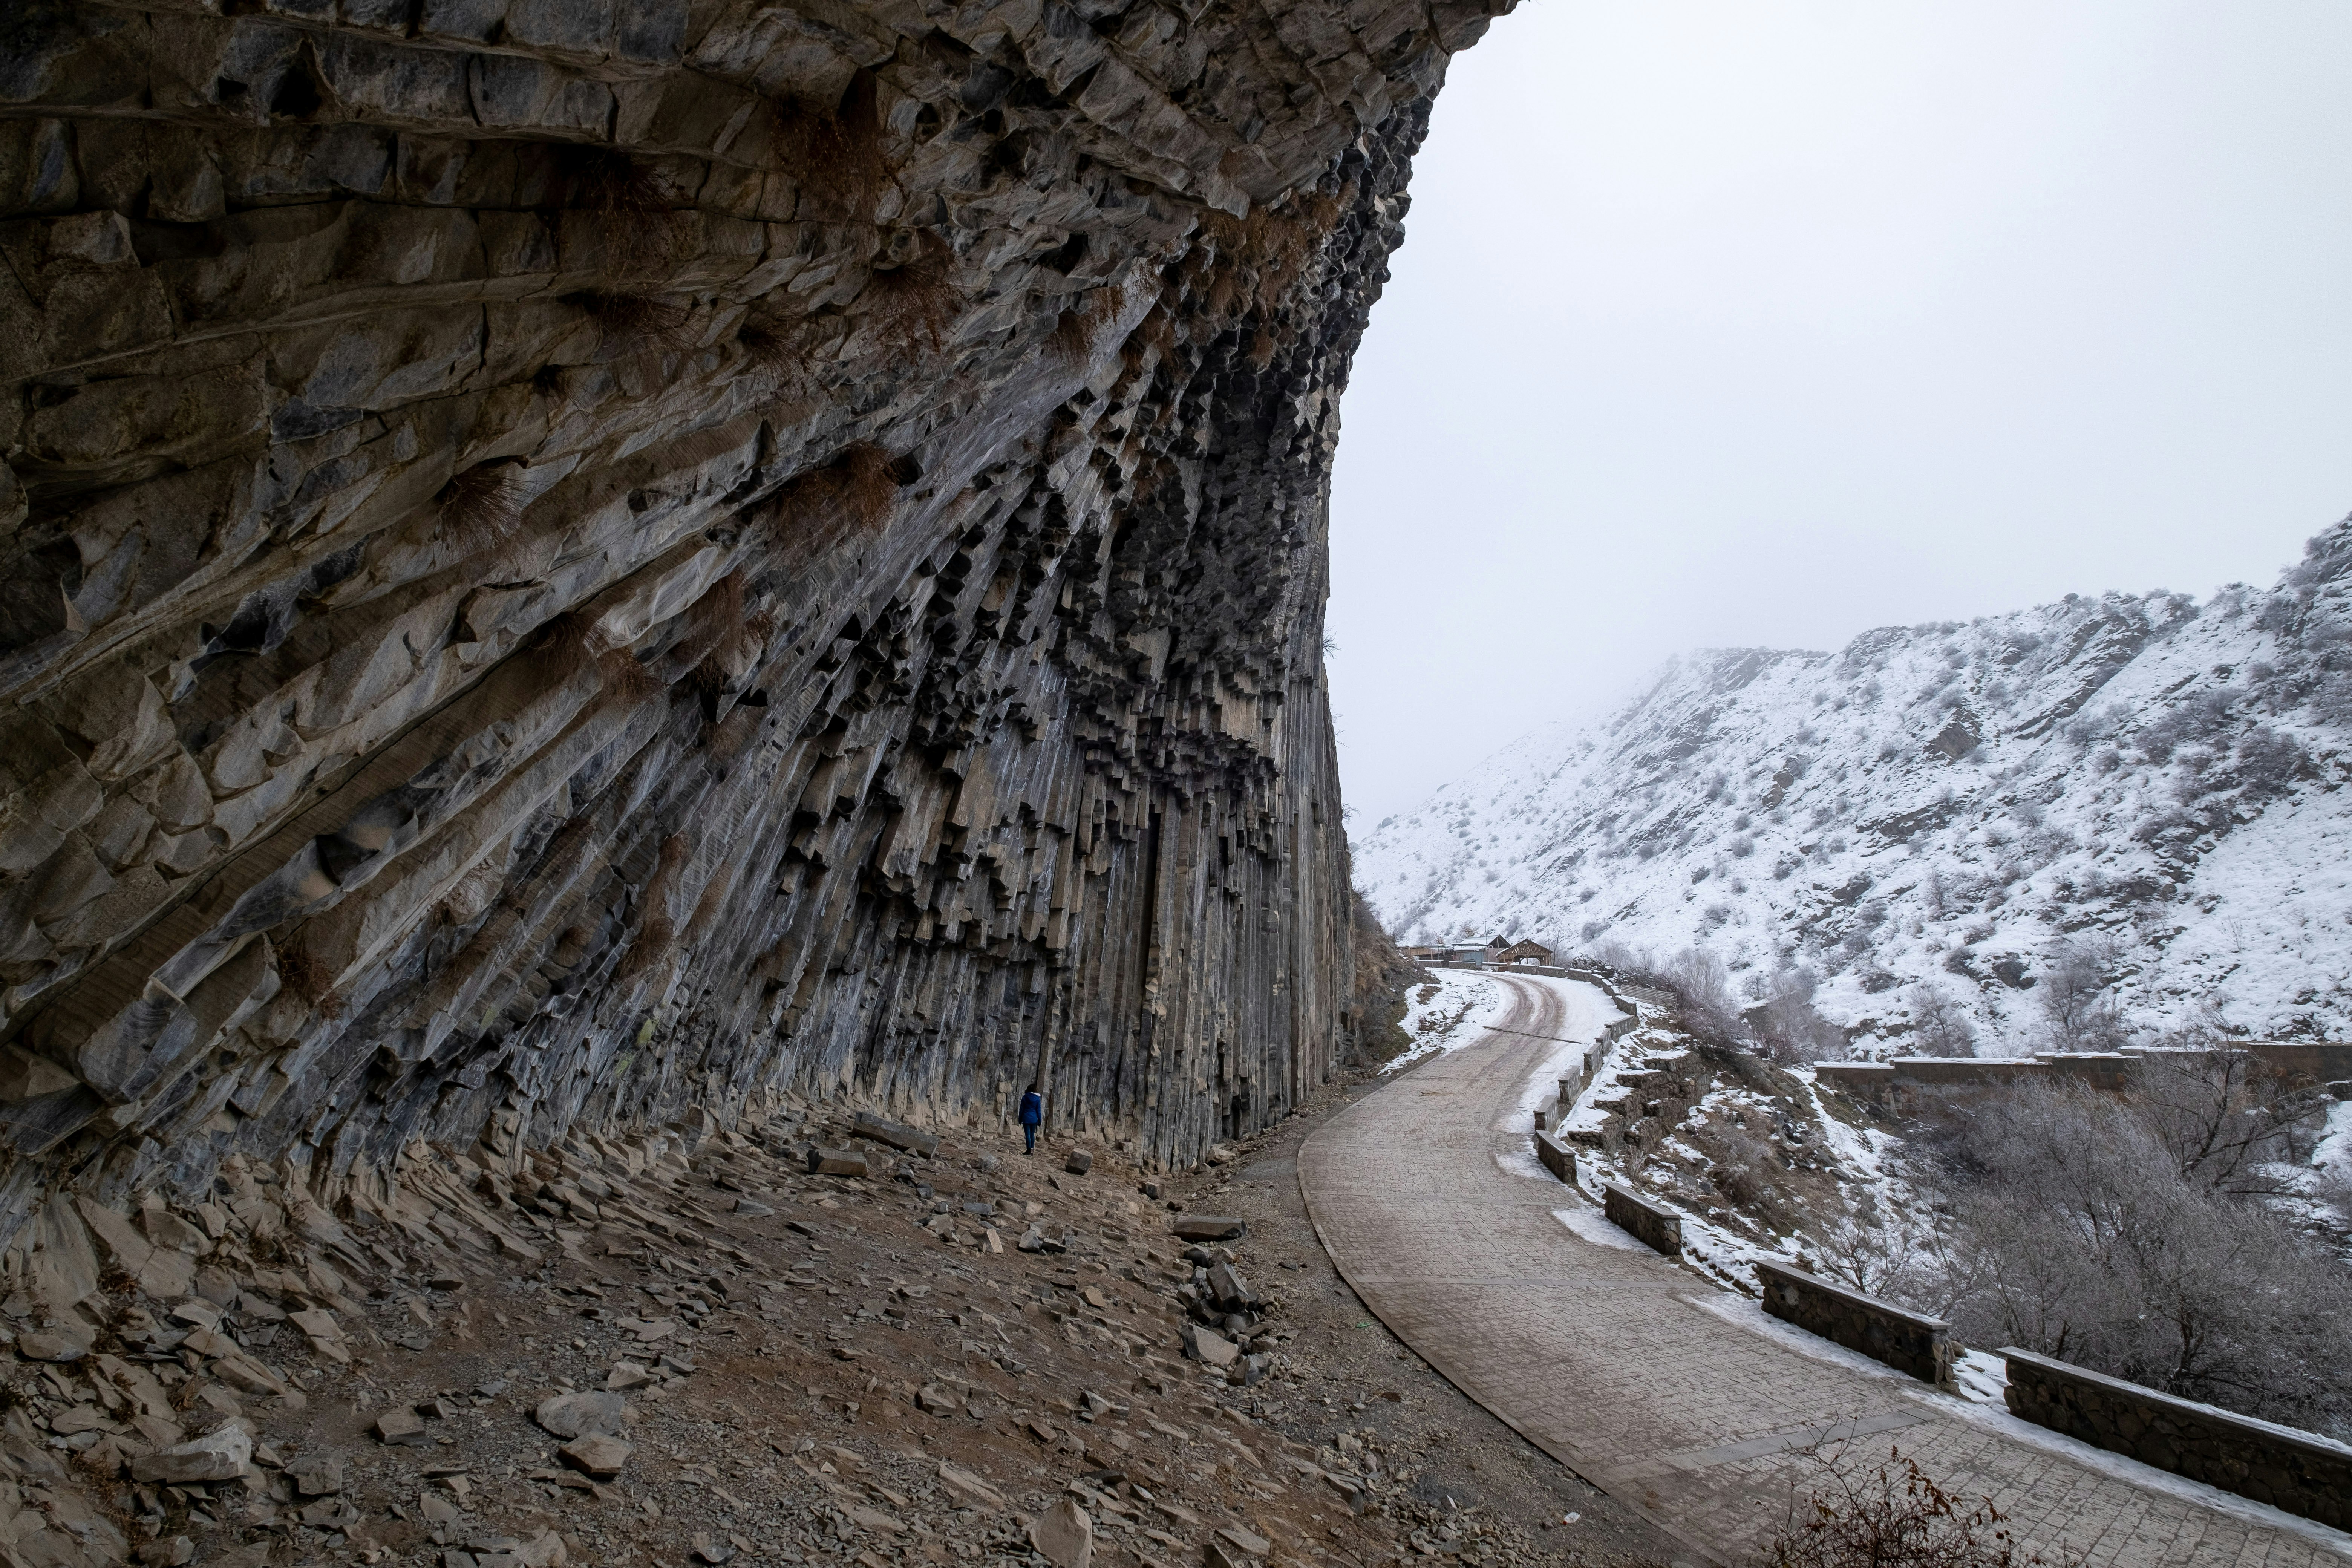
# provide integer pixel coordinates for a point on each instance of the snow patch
(1594, 1226)
(1439, 1021)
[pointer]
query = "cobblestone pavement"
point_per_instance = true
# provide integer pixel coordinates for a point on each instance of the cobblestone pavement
(1674, 1396)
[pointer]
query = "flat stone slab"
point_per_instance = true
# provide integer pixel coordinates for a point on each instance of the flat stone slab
(896, 1134)
(1207, 1228)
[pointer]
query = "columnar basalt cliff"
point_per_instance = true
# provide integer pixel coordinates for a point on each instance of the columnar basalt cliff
(573, 563)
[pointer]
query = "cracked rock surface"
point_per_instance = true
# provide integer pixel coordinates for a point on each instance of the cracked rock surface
(572, 567)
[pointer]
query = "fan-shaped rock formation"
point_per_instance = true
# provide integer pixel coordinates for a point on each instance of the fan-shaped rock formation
(584, 562)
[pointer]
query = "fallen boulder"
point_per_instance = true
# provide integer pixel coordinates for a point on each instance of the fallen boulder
(824, 1162)
(579, 1414)
(223, 1456)
(896, 1134)
(597, 1455)
(1064, 1535)
(1209, 1347)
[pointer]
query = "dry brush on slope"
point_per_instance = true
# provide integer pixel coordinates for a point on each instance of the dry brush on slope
(400, 399)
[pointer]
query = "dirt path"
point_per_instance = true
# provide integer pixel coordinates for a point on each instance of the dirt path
(1674, 1397)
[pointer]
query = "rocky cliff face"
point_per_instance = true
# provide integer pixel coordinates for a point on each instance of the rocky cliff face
(572, 563)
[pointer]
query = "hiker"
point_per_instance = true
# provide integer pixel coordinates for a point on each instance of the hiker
(1032, 1111)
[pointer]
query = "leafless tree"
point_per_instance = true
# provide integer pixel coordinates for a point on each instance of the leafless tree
(2078, 1004)
(1703, 984)
(1940, 1026)
(2226, 1117)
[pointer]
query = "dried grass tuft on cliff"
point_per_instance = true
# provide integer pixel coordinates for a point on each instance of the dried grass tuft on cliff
(1382, 976)
(776, 351)
(628, 321)
(1074, 335)
(302, 973)
(640, 230)
(565, 648)
(481, 508)
(836, 153)
(858, 484)
(915, 300)
(715, 631)
(655, 943)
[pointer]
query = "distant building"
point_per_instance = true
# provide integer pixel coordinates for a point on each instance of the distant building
(1494, 950)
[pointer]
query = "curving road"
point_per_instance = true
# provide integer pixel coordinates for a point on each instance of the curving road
(1672, 1396)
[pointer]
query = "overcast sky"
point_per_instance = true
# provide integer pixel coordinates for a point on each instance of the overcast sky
(1768, 321)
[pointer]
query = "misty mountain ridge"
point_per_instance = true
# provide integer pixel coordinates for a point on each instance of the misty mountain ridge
(2109, 817)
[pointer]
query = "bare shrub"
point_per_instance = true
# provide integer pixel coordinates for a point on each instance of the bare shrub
(1788, 1028)
(1699, 978)
(1747, 1170)
(1699, 981)
(2095, 1248)
(1884, 1254)
(2224, 1115)
(1892, 1515)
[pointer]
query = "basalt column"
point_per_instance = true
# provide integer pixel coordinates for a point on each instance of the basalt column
(579, 563)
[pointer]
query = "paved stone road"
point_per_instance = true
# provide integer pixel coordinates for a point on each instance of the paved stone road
(1674, 1397)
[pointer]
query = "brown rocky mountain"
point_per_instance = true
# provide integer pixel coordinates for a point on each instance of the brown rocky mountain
(570, 563)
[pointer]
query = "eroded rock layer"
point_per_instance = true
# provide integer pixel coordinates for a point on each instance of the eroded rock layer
(571, 563)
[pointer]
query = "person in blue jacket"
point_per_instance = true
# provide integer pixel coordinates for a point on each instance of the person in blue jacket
(1032, 1111)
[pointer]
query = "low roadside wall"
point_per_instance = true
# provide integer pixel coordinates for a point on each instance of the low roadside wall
(1557, 1157)
(1880, 1329)
(2295, 1472)
(1657, 1228)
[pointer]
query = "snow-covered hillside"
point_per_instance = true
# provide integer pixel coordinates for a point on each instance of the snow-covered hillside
(2131, 805)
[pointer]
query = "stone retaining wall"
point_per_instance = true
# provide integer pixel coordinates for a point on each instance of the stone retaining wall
(2114, 1071)
(1660, 1229)
(1882, 1331)
(2297, 1472)
(1557, 1157)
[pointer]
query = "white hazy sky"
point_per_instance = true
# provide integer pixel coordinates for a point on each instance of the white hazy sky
(1768, 321)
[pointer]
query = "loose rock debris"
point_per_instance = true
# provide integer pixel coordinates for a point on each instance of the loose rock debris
(721, 1346)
